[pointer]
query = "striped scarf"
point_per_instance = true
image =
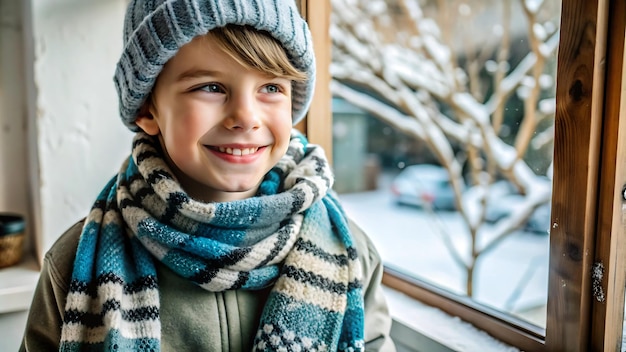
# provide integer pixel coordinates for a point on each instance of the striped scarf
(292, 235)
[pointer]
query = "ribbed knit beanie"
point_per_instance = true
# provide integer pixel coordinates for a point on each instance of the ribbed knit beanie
(154, 30)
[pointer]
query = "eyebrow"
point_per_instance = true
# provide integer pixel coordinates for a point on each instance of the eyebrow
(194, 73)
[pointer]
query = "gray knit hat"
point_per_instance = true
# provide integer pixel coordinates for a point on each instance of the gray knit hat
(154, 30)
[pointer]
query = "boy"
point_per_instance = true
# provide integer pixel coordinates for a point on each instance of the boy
(221, 231)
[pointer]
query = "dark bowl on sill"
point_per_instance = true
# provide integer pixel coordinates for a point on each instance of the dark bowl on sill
(11, 238)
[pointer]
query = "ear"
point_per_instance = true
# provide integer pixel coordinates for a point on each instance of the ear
(146, 121)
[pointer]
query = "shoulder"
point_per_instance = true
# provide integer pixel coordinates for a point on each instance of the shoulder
(376, 311)
(45, 318)
(368, 254)
(60, 257)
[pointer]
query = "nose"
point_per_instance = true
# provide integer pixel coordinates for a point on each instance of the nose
(243, 113)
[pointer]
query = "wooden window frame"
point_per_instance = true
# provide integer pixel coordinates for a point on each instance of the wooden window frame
(587, 273)
(318, 123)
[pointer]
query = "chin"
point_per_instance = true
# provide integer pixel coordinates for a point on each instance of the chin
(241, 188)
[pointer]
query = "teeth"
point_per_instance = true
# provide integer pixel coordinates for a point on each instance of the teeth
(238, 152)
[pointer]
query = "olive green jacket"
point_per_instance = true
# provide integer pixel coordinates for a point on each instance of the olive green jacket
(193, 319)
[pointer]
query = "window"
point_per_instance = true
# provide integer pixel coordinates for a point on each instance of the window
(584, 285)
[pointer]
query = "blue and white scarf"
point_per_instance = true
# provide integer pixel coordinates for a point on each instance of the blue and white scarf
(292, 234)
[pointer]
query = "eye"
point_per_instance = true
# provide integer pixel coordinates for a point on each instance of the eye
(272, 88)
(211, 88)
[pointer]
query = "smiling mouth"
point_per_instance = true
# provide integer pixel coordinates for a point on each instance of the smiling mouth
(235, 151)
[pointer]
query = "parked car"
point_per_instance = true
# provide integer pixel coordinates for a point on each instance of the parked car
(424, 184)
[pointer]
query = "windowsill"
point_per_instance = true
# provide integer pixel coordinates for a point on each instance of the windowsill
(438, 327)
(17, 285)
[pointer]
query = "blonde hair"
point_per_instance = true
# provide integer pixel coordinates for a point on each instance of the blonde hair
(256, 50)
(252, 49)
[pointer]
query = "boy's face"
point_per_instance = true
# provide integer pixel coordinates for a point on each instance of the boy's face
(222, 126)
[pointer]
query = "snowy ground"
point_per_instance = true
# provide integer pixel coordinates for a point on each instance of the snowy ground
(512, 278)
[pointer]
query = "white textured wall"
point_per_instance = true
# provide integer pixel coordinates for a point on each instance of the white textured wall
(80, 140)
(13, 164)
(60, 137)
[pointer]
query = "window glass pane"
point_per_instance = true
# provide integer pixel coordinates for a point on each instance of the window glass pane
(443, 117)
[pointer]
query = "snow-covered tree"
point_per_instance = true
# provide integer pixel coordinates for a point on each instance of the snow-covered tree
(446, 78)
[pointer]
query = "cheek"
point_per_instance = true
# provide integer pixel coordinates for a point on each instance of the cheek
(181, 141)
(282, 131)
(186, 125)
